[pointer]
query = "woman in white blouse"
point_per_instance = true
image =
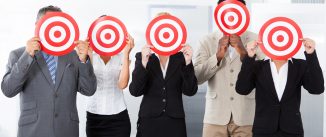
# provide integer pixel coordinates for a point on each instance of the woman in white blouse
(107, 114)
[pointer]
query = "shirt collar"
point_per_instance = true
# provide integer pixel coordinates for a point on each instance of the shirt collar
(268, 58)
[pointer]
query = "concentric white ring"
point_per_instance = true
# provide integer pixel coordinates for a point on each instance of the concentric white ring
(55, 29)
(71, 30)
(175, 45)
(113, 37)
(284, 52)
(235, 18)
(103, 38)
(161, 35)
(280, 43)
(243, 21)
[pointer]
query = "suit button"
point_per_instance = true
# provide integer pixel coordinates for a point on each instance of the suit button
(164, 100)
(56, 115)
(55, 95)
(231, 70)
(231, 84)
(231, 98)
(163, 110)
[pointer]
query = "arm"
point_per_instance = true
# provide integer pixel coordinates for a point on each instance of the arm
(139, 78)
(87, 83)
(206, 65)
(16, 73)
(313, 79)
(189, 80)
(124, 74)
(246, 77)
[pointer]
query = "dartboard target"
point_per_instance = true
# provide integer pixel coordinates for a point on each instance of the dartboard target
(280, 37)
(166, 34)
(57, 32)
(232, 17)
(107, 36)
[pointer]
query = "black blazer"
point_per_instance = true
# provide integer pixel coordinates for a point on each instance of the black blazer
(163, 95)
(271, 114)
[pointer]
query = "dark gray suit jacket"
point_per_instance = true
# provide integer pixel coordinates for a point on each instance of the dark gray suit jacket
(47, 110)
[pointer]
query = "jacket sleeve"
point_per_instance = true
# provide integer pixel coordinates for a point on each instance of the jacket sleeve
(16, 73)
(189, 80)
(246, 77)
(87, 82)
(139, 79)
(205, 65)
(313, 79)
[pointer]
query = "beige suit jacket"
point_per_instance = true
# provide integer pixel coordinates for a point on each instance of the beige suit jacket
(221, 97)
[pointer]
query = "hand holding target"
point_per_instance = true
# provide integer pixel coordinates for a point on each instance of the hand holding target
(280, 37)
(57, 32)
(166, 33)
(232, 17)
(107, 36)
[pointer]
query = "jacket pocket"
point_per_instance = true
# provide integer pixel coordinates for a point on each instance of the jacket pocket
(27, 119)
(74, 117)
(211, 94)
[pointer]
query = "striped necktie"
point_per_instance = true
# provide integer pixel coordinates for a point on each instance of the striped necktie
(52, 65)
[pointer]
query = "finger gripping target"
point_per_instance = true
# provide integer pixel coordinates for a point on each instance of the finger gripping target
(232, 17)
(280, 37)
(107, 36)
(166, 34)
(57, 32)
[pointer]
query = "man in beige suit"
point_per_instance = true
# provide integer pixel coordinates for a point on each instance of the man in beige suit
(218, 61)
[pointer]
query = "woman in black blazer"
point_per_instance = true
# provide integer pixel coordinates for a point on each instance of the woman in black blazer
(161, 112)
(280, 115)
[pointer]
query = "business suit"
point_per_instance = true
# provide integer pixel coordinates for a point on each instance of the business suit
(47, 109)
(222, 101)
(162, 97)
(273, 115)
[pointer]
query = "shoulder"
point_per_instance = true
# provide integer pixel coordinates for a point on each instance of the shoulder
(17, 52)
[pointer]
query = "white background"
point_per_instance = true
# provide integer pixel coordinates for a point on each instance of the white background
(18, 19)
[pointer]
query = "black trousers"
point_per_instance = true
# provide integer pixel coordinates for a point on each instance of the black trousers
(278, 134)
(162, 126)
(108, 125)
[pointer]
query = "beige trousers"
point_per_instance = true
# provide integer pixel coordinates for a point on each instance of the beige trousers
(229, 130)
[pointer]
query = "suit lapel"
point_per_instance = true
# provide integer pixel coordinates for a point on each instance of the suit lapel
(156, 67)
(44, 68)
(269, 80)
(62, 61)
(172, 66)
(235, 56)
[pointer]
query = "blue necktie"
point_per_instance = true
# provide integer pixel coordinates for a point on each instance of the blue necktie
(52, 66)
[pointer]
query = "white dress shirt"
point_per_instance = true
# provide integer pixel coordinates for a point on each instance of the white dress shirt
(231, 51)
(279, 78)
(164, 69)
(108, 98)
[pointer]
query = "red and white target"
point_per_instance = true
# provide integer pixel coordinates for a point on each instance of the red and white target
(166, 34)
(57, 32)
(107, 36)
(280, 37)
(232, 17)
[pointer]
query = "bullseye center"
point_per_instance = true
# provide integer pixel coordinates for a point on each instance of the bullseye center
(166, 35)
(280, 38)
(107, 36)
(231, 18)
(57, 34)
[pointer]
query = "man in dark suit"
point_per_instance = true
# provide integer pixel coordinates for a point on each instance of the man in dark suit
(48, 86)
(278, 90)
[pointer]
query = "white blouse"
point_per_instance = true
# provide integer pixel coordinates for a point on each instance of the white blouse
(108, 98)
